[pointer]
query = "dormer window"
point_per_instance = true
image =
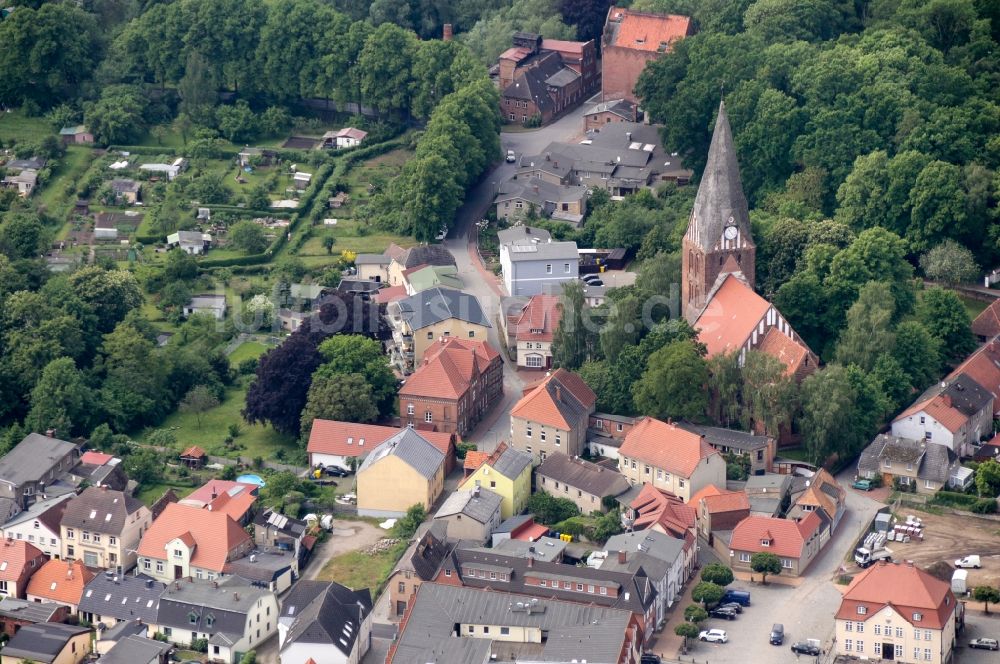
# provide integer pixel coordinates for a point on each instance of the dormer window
(862, 610)
(917, 617)
(765, 542)
(193, 618)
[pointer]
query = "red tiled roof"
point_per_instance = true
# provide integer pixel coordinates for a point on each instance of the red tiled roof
(906, 588)
(516, 53)
(730, 316)
(654, 507)
(987, 323)
(474, 459)
(60, 581)
(95, 458)
(14, 555)
(721, 500)
(449, 369)
(531, 533)
(390, 294)
(543, 314)
(560, 396)
(784, 349)
(815, 496)
(645, 32)
(194, 452)
(983, 366)
(352, 132)
(349, 439)
(666, 446)
(214, 488)
(213, 534)
(787, 538)
(563, 45)
(939, 407)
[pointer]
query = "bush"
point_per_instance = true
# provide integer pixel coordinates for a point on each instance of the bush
(548, 509)
(464, 448)
(576, 526)
(984, 506)
(953, 499)
(199, 645)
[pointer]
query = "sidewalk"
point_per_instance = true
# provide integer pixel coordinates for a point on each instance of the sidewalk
(666, 644)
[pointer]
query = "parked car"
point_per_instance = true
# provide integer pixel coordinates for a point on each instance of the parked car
(738, 608)
(336, 471)
(739, 596)
(594, 282)
(591, 277)
(511, 157)
(863, 485)
(724, 613)
(969, 561)
(806, 649)
(984, 644)
(650, 658)
(777, 636)
(714, 636)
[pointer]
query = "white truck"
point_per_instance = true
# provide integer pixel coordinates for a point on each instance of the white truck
(866, 557)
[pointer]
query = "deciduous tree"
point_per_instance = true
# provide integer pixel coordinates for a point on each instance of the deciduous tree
(765, 563)
(673, 385)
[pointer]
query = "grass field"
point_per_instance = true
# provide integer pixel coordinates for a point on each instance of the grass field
(59, 193)
(15, 125)
(357, 569)
(346, 233)
(257, 440)
(245, 351)
(973, 306)
(150, 493)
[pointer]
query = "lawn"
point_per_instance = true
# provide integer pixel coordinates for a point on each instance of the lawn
(973, 306)
(346, 233)
(19, 127)
(54, 197)
(357, 569)
(150, 493)
(245, 351)
(255, 439)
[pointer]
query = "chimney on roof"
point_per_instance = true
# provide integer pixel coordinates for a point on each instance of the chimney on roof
(622, 557)
(947, 400)
(104, 487)
(535, 187)
(558, 393)
(51, 433)
(447, 32)
(628, 136)
(531, 561)
(236, 597)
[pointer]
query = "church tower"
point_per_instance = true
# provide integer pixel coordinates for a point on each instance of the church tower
(718, 239)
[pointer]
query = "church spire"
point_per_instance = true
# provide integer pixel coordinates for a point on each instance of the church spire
(720, 201)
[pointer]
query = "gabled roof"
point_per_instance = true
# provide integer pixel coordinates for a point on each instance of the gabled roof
(479, 504)
(351, 132)
(620, 107)
(720, 192)
(785, 349)
(667, 446)
(721, 500)
(95, 458)
(429, 549)
(449, 369)
(412, 449)
(333, 616)
(951, 404)
(434, 305)
(218, 608)
(906, 588)
(730, 316)
(60, 581)
(474, 459)
(731, 438)
(349, 439)
(538, 191)
(584, 475)
(653, 507)
(423, 277)
(32, 458)
(100, 509)
(987, 323)
(33, 612)
(48, 512)
(135, 650)
(824, 493)
(41, 642)
(214, 488)
(560, 401)
(983, 366)
(213, 534)
(15, 556)
(508, 461)
(428, 254)
(124, 597)
(786, 538)
(193, 452)
(539, 319)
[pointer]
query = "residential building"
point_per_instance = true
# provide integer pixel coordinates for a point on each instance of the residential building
(821, 494)
(420, 563)
(137, 650)
(423, 277)
(719, 510)
(485, 568)
(207, 303)
(374, 267)
(630, 41)
(670, 458)
(656, 510)
(103, 527)
(421, 320)
(470, 514)
(507, 472)
(900, 612)
(39, 525)
(333, 443)
(233, 616)
(956, 413)
(532, 263)
(410, 465)
(530, 329)
(659, 555)
(473, 626)
(186, 541)
(126, 191)
(545, 549)
(273, 570)
(76, 134)
(348, 137)
(606, 433)
(24, 182)
(234, 498)
(18, 561)
(100, 469)
(620, 158)
(986, 326)
(589, 486)
(274, 530)
(191, 242)
(606, 112)
(324, 622)
(552, 416)
(522, 528)
(47, 643)
(60, 581)
(111, 598)
(456, 385)
(107, 637)
(759, 451)
(983, 366)
(795, 543)
(405, 259)
(925, 466)
(521, 200)
(16, 613)
(36, 469)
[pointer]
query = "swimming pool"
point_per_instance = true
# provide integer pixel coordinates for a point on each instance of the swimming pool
(251, 479)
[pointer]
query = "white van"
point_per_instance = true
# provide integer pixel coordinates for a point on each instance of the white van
(969, 561)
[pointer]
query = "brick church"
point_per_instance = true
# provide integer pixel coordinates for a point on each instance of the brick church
(717, 273)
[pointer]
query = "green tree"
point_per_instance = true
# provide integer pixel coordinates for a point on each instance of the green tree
(249, 657)
(248, 237)
(986, 595)
(946, 318)
(769, 396)
(827, 412)
(707, 593)
(258, 198)
(198, 401)
(918, 353)
(574, 339)
(111, 293)
(432, 197)
(60, 400)
(180, 265)
(548, 509)
(988, 479)
(22, 235)
(673, 385)
(386, 66)
(198, 89)
(938, 204)
(144, 465)
(868, 334)
(118, 116)
(765, 563)
(797, 19)
(687, 630)
(355, 354)
(717, 573)
(134, 388)
(334, 396)
(328, 242)
(406, 527)
(950, 263)
(695, 614)
(237, 122)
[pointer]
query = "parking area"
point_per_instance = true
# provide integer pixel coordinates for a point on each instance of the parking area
(805, 611)
(978, 625)
(947, 537)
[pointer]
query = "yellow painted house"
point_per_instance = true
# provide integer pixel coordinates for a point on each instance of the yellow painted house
(403, 471)
(506, 472)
